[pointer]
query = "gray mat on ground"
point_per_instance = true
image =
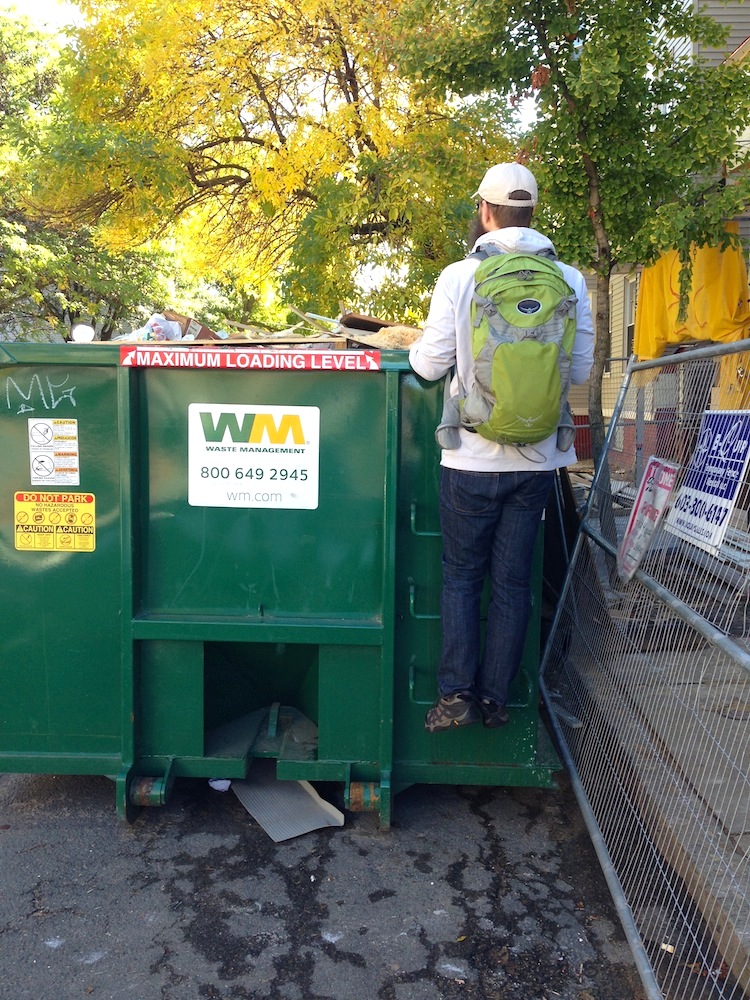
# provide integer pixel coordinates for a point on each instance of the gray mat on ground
(284, 809)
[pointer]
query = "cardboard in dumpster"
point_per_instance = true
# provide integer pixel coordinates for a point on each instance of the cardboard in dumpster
(285, 809)
(190, 327)
(368, 324)
(373, 332)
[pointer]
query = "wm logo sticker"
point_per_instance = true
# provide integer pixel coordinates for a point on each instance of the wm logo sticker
(254, 428)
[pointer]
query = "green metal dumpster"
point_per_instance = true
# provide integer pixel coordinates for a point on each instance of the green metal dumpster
(216, 553)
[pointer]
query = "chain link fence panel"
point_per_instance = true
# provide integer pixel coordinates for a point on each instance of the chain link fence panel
(647, 677)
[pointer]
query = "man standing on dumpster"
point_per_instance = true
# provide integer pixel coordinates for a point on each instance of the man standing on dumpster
(492, 496)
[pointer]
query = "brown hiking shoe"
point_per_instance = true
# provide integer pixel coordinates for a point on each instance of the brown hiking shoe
(452, 710)
(493, 715)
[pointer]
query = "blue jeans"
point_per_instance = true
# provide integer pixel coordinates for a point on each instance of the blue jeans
(489, 522)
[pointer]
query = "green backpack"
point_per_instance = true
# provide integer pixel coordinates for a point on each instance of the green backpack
(523, 316)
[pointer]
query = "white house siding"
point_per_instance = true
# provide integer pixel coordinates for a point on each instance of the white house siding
(617, 316)
(681, 48)
(622, 292)
(735, 16)
(578, 395)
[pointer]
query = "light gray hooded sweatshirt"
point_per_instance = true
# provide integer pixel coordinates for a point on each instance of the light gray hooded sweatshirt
(446, 342)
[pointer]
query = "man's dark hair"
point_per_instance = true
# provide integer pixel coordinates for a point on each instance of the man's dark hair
(512, 215)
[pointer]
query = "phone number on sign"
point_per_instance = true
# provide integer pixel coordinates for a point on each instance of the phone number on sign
(274, 475)
(697, 507)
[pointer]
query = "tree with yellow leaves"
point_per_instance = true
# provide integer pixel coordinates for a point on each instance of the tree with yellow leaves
(52, 276)
(277, 141)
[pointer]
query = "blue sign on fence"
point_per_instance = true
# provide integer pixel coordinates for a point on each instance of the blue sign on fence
(706, 499)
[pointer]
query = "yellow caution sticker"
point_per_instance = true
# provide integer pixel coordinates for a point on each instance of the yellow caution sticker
(54, 522)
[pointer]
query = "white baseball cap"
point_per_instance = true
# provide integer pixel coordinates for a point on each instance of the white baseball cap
(505, 179)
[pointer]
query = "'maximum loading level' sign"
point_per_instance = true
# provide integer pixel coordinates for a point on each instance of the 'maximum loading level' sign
(253, 456)
(243, 359)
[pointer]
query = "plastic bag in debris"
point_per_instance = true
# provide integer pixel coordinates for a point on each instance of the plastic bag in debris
(158, 328)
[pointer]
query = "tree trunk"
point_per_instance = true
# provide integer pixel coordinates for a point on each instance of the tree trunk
(602, 350)
(602, 502)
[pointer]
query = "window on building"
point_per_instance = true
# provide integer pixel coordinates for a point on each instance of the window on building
(631, 294)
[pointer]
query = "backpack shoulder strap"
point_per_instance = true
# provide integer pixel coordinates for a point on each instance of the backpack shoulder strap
(484, 251)
(490, 250)
(549, 252)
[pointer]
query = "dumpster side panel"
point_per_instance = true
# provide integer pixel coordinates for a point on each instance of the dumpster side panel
(288, 575)
(472, 754)
(170, 710)
(257, 561)
(60, 662)
(350, 720)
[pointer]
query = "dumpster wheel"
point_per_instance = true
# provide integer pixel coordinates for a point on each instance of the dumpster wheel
(135, 792)
(371, 796)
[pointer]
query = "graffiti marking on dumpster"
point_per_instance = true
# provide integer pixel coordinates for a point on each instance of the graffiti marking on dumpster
(54, 521)
(253, 456)
(38, 395)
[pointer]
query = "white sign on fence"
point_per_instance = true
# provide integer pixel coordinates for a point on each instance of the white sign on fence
(650, 503)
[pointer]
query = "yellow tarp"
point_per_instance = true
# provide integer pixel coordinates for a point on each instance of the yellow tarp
(718, 307)
(733, 386)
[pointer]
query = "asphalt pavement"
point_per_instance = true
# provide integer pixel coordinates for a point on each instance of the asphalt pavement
(474, 893)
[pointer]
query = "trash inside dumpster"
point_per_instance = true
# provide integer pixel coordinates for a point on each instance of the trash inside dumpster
(218, 553)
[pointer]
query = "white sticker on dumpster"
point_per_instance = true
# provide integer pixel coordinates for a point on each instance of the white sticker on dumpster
(53, 452)
(253, 456)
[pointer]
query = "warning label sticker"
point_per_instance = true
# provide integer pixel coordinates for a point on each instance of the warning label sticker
(53, 452)
(54, 522)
